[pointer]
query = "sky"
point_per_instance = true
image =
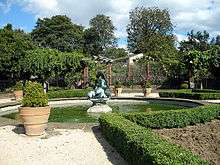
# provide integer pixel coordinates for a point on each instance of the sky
(186, 15)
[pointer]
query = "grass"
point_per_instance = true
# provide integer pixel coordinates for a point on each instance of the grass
(78, 114)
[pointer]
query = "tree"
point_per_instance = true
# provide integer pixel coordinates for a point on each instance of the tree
(13, 47)
(149, 29)
(104, 28)
(58, 32)
(197, 64)
(196, 41)
(214, 61)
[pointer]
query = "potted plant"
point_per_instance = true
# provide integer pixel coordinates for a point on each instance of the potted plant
(117, 88)
(34, 111)
(147, 88)
(18, 93)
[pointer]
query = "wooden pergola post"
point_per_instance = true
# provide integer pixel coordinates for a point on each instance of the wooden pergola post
(85, 75)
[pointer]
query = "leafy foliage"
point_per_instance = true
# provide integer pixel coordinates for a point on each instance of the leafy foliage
(46, 63)
(34, 95)
(13, 44)
(58, 32)
(139, 145)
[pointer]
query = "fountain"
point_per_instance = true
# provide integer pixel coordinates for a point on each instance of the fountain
(100, 95)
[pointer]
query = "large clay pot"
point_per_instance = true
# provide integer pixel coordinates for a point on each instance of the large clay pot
(35, 119)
(147, 91)
(18, 95)
(118, 91)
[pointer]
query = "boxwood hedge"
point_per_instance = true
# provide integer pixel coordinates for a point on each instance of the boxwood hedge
(175, 118)
(140, 146)
(190, 95)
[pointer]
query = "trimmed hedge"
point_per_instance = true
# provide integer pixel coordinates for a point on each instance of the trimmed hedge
(141, 146)
(190, 95)
(68, 93)
(175, 118)
(205, 91)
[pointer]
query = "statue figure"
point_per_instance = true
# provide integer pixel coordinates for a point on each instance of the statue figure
(101, 89)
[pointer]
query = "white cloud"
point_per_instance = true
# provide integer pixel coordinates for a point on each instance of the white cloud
(185, 14)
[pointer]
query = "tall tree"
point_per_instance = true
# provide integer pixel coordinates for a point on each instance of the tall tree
(58, 32)
(104, 28)
(149, 29)
(13, 47)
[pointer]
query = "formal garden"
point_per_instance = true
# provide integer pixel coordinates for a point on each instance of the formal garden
(156, 102)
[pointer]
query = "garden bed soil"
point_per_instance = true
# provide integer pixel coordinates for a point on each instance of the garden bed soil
(201, 139)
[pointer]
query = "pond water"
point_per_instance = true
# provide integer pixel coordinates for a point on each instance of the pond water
(78, 114)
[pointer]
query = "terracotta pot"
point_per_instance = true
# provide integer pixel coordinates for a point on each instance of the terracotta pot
(35, 119)
(118, 91)
(18, 94)
(147, 91)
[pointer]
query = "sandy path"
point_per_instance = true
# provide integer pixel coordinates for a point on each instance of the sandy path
(67, 147)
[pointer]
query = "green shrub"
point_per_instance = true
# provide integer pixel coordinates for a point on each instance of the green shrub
(68, 93)
(175, 118)
(184, 86)
(140, 146)
(190, 95)
(34, 95)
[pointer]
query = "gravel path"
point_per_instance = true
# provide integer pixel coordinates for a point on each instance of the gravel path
(59, 147)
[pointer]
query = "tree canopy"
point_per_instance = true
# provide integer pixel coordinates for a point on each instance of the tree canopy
(13, 47)
(149, 29)
(58, 32)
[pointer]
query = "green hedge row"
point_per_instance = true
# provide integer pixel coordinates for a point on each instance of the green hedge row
(175, 118)
(68, 93)
(140, 146)
(190, 95)
(205, 91)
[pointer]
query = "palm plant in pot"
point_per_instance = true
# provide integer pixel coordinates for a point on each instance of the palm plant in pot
(34, 111)
(147, 87)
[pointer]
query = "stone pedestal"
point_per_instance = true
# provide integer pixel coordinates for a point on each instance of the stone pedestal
(99, 108)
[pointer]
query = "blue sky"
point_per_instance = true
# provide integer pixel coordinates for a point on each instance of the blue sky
(185, 14)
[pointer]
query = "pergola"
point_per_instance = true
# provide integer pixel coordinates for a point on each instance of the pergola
(104, 60)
